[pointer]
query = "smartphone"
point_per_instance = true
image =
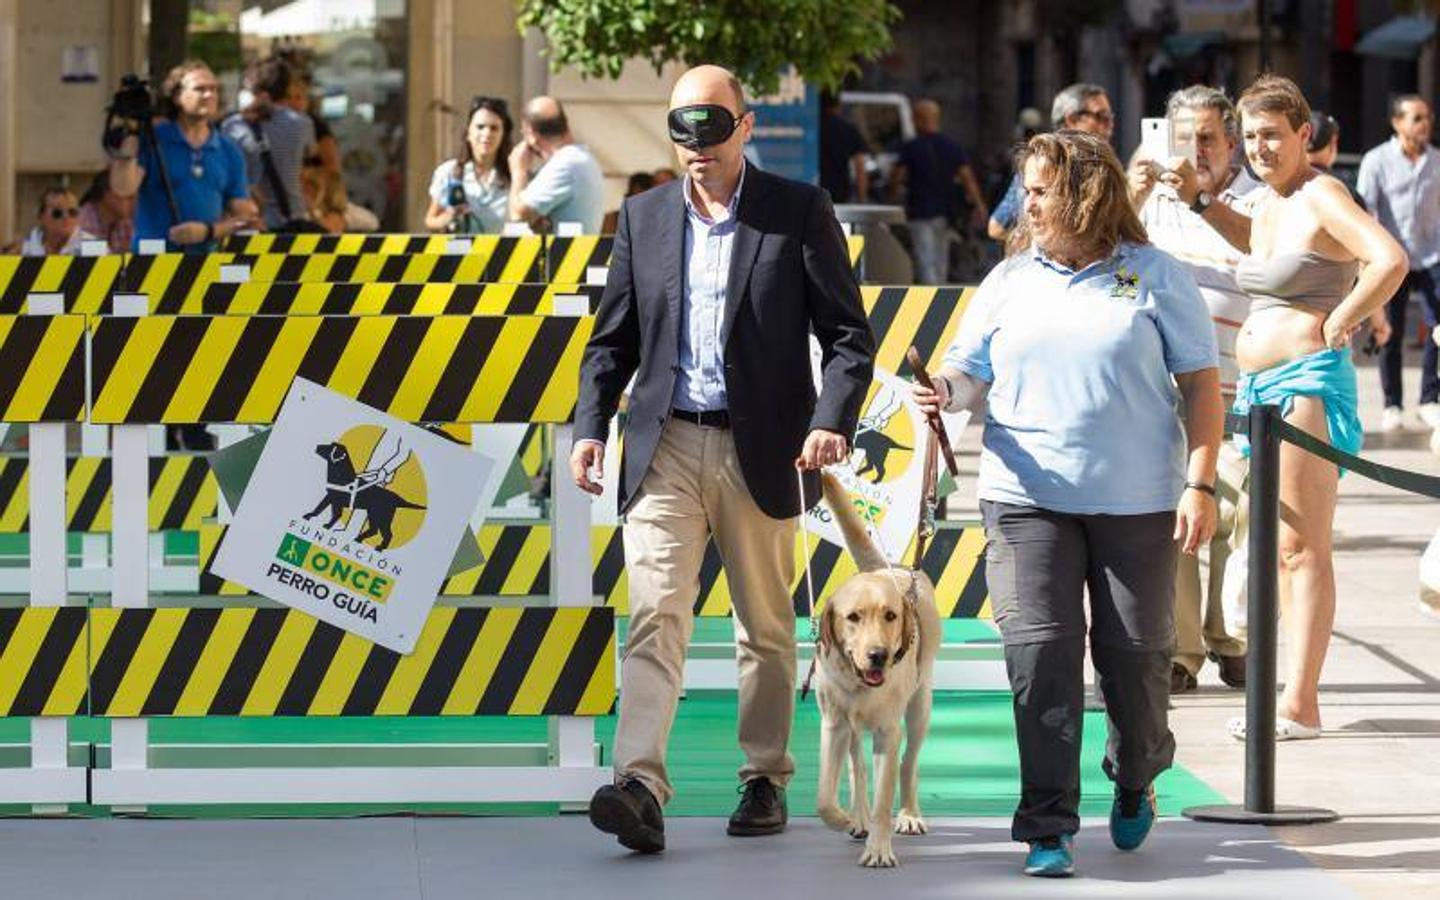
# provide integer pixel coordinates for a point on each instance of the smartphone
(1155, 140)
(1162, 140)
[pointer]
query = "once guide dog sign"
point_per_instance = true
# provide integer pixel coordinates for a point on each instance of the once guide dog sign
(885, 474)
(352, 516)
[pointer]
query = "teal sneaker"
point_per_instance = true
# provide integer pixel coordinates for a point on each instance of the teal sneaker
(1131, 816)
(1051, 857)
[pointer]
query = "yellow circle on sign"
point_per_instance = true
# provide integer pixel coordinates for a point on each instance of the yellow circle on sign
(389, 487)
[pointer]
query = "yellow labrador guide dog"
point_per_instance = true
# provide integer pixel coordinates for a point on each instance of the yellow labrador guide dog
(879, 634)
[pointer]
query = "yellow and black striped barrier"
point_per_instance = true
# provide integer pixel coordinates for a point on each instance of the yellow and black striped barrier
(355, 244)
(955, 562)
(280, 298)
(923, 316)
(84, 281)
(569, 258)
(517, 564)
(279, 662)
(42, 368)
(175, 282)
(181, 369)
(183, 493)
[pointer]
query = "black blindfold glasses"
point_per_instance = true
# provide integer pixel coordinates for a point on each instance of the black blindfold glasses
(703, 125)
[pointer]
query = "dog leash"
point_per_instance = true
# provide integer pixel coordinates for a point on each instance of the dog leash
(809, 589)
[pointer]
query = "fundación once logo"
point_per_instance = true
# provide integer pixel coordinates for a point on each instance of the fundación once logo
(372, 501)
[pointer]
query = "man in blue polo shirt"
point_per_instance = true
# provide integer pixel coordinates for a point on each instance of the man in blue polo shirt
(206, 170)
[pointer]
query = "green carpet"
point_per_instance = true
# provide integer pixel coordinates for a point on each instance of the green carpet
(968, 766)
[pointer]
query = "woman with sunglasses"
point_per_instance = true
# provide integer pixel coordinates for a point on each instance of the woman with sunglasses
(470, 193)
(57, 229)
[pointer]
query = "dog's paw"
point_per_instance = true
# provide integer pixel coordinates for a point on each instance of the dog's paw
(834, 817)
(878, 855)
(910, 823)
(858, 829)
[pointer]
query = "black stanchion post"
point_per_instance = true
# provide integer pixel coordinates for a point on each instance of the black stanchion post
(1263, 613)
(1263, 601)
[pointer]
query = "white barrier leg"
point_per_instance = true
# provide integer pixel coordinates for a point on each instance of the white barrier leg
(49, 737)
(94, 548)
(572, 738)
(130, 568)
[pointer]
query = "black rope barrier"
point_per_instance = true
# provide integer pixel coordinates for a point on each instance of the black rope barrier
(1266, 429)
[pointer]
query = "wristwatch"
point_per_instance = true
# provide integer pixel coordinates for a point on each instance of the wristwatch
(1202, 203)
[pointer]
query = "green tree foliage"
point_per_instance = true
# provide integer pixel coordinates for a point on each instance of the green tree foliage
(824, 39)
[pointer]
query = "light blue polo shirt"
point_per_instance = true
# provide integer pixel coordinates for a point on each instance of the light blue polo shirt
(569, 188)
(1082, 408)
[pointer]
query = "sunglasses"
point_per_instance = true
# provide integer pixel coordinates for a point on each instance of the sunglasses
(1099, 116)
(68, 213)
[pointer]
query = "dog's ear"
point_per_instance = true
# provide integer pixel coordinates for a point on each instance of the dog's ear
(910, 628)
(828, 637)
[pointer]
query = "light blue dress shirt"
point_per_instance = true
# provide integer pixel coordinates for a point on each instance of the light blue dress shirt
(1082, 407)
(700, 383)
(1405, 197)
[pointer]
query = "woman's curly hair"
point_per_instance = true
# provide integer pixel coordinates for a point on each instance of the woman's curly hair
(1090, 183)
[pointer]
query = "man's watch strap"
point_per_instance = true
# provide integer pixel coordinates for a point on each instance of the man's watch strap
(1201, 486)
(1202, 203)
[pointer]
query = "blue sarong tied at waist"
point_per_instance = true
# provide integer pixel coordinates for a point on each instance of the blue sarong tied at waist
(1327, 374)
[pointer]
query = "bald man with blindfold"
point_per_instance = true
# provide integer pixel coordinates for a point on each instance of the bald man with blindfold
(716, 282)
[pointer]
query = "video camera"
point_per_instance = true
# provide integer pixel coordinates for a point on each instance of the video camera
(129, 111)
(133, 100)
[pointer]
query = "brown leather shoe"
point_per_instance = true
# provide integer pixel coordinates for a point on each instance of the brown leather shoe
(1181, 681)
(1232, 669)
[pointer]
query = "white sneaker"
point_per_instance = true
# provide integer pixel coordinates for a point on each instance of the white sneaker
(1430, 414)
(1392, 419)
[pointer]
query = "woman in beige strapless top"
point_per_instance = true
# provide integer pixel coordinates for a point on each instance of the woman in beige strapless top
(1306, 242)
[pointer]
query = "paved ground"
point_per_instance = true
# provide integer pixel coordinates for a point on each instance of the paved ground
(396, 859)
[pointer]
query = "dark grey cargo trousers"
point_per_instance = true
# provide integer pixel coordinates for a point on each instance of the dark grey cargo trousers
(1038, 565)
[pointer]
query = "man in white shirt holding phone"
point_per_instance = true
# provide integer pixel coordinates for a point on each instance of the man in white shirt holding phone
(1182, 184)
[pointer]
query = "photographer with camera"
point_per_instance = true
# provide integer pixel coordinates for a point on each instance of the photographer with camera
(470, 194)
(189, 179)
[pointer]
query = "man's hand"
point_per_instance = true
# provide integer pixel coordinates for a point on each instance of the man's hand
(1142, 176)
(1194, 520)
(822, 448)
(523, 158)
(1182, 179)
(585, 456)
(933, 398)
(187, 233)
(129, 147)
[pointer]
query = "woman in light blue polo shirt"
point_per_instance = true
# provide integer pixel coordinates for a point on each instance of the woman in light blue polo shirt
(1086, 339)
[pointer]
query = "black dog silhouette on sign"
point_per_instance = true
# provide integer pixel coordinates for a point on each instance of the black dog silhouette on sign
(347, 490)
(877, 446)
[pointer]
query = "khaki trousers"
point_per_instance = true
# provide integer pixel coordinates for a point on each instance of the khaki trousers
(694, 490)
(1199, 615)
